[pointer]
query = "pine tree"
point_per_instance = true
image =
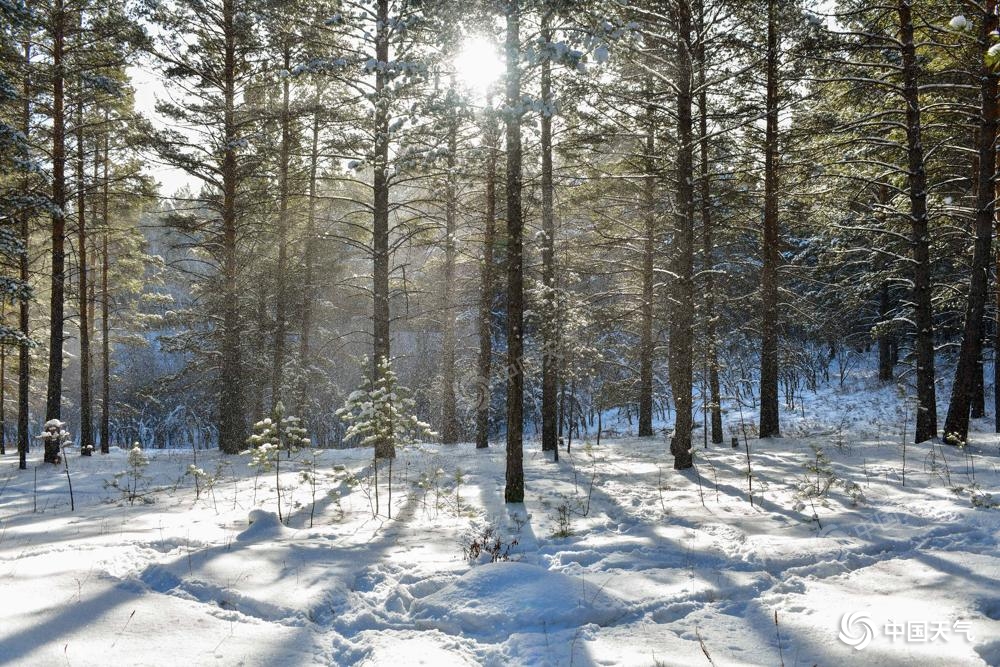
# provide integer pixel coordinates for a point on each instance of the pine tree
(514, 489)
(17, 200)
(210, 52)
(378, 415)
(956, 427)
(271, 436)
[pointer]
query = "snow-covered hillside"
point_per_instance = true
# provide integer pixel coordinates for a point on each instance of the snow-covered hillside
(618, 559)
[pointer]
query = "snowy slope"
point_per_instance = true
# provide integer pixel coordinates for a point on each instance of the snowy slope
(660, 568)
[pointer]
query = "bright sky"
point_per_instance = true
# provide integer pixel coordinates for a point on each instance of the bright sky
(479, 65)
(147, 85)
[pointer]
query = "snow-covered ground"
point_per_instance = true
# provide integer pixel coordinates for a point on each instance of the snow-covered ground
(619, 560)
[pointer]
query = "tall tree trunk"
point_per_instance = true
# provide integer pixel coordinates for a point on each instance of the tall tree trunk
(57, 298)
(707, 241)
(24, 351)
(380, 226)
(449, 419)
(3, 392)
(105, 334)
(550, 342)
(926, 421)
(514, 490)
(105, 427)
(647, 342)
(486, 286)
(231, 408)
(996, 328)
(86, 403)
(309, 260)
(769, 418)
(281, 291)
(681, 351)
(956, 425)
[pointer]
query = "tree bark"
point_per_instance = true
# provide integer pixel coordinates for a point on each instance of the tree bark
(956, 425)
(57, 298)
(83, 307)
(647, 341)
(707, 241)
(449, 418)
(550, 342)
(514, 489)
(769, 417)
(996, 328)
(926, 418)
(3, 393)
(681, 351)
(23, 351)
(380, 226)
(105, 302)
(281, 290)
(486, 289)
(309, 259)
(231, 407)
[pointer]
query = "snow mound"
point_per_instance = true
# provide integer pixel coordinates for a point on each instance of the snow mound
(417, 648)
(500, 599)
(263, 526)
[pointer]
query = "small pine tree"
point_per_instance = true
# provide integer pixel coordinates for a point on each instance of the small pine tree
(272, 435)
(137, 464)
(377, 415)
(134, 476)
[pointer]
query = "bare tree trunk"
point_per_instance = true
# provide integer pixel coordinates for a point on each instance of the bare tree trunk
(231, 408)
(708, 244)
(86, 403)
(309, 259)
(3, 392)
(514, 490)
(24, 323)
(769, 416)
(956, 425)
(281, 291)
(926, 418)
(681, 353)
(380, 227)
(996, 332)
(57, 297)
(449, 418)
(490, 141)
(105, 301)
(550, 342)
(647, 342)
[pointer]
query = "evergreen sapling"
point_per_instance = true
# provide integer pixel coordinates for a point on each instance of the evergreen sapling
(377, 415)
(271, 436)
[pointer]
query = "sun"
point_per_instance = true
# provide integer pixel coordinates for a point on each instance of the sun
(479, 65)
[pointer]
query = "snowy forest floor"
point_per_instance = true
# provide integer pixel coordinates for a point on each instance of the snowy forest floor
(619, 559)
